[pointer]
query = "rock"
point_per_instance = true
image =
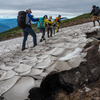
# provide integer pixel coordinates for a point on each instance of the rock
(35, 94)
(76, 95)
(61, 95)
(95, 34)
(93, 94)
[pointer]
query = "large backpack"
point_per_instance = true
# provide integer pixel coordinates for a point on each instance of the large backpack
(21, 19)
(57, 19)
(96, 11)
(40, 23)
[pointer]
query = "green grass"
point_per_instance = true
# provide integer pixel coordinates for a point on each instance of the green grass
(14, 32)
(17, 32)
(85, 16)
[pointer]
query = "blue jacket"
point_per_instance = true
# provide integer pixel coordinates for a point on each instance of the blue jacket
(29, 18)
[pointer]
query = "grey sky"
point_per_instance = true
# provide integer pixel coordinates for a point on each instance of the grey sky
(68, 8)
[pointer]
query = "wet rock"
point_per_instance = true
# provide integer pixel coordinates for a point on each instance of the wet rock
(52, 82)
(95, 34)
(35, 94)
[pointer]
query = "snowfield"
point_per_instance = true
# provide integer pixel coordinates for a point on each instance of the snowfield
(22, 70)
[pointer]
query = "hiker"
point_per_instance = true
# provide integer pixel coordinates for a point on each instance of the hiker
(49, 27)
(53, 27)
(58, 23)
(28, 29)
(41, 25)
(95, 12)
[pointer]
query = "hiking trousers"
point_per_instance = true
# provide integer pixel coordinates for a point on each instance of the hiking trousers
(26, 31)
(53, 30)
(57, 29)
(49, 29)
(95, 18)
(42, 31)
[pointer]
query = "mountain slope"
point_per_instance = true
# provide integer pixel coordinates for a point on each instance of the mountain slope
(7, 24)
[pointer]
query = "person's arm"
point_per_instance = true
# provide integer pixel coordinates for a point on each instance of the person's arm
(33, 19)
(93, 10)
(48, 21)
(63, 18)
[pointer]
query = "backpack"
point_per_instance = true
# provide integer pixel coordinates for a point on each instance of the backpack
(48, 23)
(57, 19)
(55, 22)
(21, 19)
(40, 23)
(96, 11)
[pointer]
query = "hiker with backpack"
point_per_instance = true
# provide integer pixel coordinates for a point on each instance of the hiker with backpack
(53, 27)
(58, 23)
(95, 12)
(41, 25)
(49, 27)
(24, 21)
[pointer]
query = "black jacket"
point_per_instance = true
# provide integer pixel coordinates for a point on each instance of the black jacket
(92, 12)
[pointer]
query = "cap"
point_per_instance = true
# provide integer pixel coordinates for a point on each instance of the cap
(50, 17)
(93, 6)
(45, 16)
(28, 9)
(59, 16)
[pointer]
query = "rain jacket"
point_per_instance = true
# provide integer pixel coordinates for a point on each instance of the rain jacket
(46, 21)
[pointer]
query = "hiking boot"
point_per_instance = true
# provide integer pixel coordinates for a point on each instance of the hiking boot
(34, 45)
(44, 38)
(23, 48)
(57, 31)
(41, 40)
(94, 25)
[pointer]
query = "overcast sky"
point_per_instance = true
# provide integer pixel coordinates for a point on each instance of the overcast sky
(67, 8)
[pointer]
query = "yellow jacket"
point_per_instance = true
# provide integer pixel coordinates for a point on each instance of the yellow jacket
(46, 21)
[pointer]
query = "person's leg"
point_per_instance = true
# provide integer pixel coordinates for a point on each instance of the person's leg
(43, 35)
(32, 33)
(93, 19)
(43, 32)
(48, 32)
(93, 23)
(54, 30)
(51, 32)
(98, 20)
(25, 34)
(57, 28)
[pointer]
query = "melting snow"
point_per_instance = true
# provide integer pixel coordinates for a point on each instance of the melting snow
(61, 52)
